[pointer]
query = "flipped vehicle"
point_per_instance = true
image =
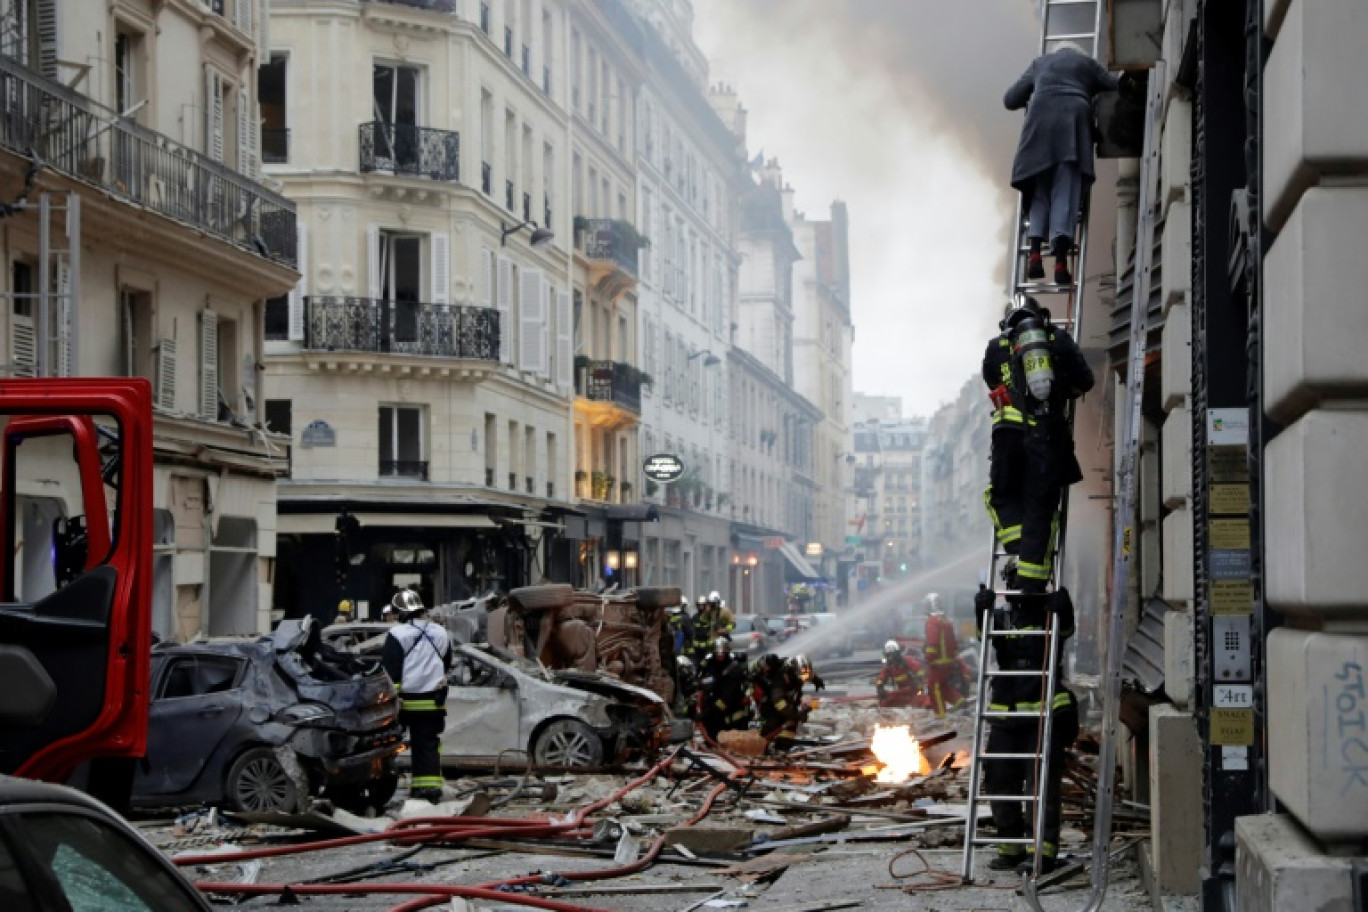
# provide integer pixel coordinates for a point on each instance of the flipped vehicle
(262, 725)
(60, 849)
(500, 706)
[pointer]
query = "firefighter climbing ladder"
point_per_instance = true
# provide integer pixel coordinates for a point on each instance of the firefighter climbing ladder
(1079, 22)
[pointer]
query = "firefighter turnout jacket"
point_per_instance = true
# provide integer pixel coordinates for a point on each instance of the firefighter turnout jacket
(897, 674)
(417, 656)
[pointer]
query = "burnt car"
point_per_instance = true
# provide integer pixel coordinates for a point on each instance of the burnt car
(264, 724)
(499, 704)
(360, 637)
(60, 849)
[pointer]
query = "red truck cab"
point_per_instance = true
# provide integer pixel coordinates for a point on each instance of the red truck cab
(75, 573)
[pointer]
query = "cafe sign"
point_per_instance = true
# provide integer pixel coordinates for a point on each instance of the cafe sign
(662, 467)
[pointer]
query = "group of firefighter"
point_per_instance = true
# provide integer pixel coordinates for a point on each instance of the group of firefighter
(936, 681)
(720, 691)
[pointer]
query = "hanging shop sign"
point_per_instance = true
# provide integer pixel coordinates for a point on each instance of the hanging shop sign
(662, 467)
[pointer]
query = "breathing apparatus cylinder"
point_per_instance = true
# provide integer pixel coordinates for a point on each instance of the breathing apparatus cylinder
(1031, 345)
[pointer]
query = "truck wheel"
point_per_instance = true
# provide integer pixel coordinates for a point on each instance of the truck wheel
(658, 597)
(567, 742)
(557, 595)
(257, 782)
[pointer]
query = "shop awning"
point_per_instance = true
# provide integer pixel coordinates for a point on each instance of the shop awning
(802, 569)
(326, 523)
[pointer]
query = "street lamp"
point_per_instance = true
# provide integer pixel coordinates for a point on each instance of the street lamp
(709, 359)
(540, 236)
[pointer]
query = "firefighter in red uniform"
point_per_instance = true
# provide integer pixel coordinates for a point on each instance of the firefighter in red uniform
(942, 657)
(899, 681)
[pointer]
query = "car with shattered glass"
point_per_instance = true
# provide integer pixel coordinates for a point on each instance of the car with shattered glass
(503, 707)
(264, 724)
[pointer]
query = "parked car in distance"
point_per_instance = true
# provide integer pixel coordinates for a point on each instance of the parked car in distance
(74, 853)
(500, 705)
(264, 724)
(750, 636)
(831, 635)
(777, 628)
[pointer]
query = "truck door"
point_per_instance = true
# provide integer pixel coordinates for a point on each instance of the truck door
(75, 572)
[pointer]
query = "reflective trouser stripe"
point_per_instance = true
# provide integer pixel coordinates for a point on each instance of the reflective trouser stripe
(1049, 849)
(1011, 851)
(419, 706)
(1034, 571)
(1061, 700)
(427, 782)
(1008, 414)
(1005, 534)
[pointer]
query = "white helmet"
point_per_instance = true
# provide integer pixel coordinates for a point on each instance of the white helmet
(407, 603)
(721, 645)
(714, 597)
(892, 648)
(933, 601)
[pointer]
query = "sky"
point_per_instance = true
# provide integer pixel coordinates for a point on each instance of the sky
(895, 107)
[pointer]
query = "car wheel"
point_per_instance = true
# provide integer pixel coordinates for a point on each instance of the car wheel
(257, 782)
(358, 797)
(567, 742)
(556, 595)
(657, 596)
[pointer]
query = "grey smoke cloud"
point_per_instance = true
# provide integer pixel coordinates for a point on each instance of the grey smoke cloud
(896, 107)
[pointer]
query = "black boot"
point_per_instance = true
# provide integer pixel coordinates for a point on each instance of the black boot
(1035, 267)
(1008, 862)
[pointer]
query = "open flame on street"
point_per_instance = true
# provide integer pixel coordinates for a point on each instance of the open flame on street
(899, 752)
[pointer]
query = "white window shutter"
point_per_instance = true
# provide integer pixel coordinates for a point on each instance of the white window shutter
(23, 347)
(548, 309)
(486, 277)
(213, 115)
(66, 318)
(441, 269)
(299, 294)
(247, 134)
(373, 262)
(166, 374)
(504, 295)
(242, 16)
(209, 380)
(565, 356)
(531, 319)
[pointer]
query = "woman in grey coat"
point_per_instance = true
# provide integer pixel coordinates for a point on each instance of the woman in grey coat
(1055, 155)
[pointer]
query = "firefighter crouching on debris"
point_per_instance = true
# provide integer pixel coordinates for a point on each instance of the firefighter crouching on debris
(898, 682)
(417, 656)
(1032, 369)
(780, 711)
(722, 700)
(941, 653)
(1023, 693)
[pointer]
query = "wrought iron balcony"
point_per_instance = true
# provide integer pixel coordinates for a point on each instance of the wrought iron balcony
(346, 324)
(404, 468)
(610, 381)
(438, 6)
(614, 240)
(410, 150)
(84, 140)
(275, 146)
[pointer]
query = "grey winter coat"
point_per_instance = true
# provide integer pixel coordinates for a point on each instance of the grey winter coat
(1057, 91)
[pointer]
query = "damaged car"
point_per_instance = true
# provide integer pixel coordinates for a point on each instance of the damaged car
(500, 706)
(265, 724)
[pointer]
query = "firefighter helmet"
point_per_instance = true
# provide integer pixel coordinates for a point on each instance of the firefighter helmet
(801, 667)
(891, 648)
(933, 602)
(344, 606)
(714, 597)
(721, 646)
(407, 603)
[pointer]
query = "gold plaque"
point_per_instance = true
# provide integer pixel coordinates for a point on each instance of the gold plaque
(1232, 597)
(1229, 499)
(1228, 534)
(1232, 726)
(1228, 464)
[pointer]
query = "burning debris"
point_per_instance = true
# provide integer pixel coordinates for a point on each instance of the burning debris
(899, 752)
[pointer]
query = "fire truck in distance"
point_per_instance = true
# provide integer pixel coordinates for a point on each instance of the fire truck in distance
(75, 578)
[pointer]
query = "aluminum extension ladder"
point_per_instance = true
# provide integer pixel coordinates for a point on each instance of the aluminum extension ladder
(1077, 21)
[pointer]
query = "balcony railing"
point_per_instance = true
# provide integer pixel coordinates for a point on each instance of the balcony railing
(72, 134)
(610, 381)
(410, 150)
(609, 239)
(275, 146)
(346, 324)
(404, 468)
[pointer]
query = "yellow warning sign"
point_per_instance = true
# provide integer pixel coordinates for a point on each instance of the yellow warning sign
(1232, 597)
(1229, 499)
(1232, 727)
(1229, 534)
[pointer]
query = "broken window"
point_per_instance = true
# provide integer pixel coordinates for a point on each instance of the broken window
(196, 676)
